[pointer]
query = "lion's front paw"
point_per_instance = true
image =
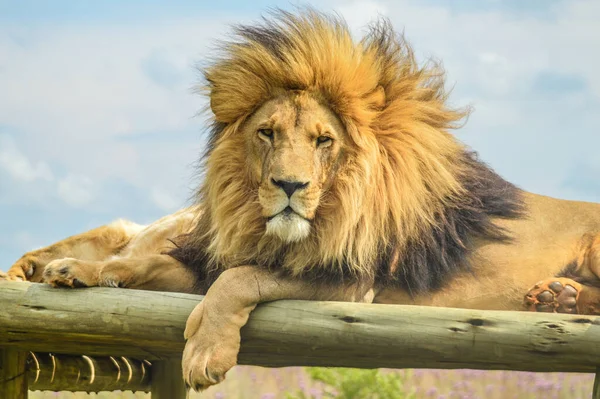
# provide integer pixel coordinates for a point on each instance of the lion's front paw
(68, 272)
(557, 294)
(211, 349)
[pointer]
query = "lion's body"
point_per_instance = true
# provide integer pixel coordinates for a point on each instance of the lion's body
(554, 234)
(331, 174)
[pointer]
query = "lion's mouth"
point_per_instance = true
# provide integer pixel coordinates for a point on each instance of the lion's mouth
(288, 225)
(287, 212)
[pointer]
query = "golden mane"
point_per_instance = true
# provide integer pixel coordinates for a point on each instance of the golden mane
(406, 182)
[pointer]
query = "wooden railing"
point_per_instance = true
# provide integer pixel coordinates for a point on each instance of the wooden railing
(114, 327)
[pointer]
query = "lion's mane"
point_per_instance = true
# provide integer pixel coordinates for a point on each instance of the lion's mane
(405, 206)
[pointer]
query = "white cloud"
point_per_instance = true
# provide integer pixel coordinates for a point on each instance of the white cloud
(76, 93)
(76, 190)
(73, 189)
(26, 240)
(359, 13)
(18, 165)
(164, 200)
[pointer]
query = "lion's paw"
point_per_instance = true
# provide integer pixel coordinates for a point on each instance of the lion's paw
(554, 295)
(211, 349)
(68, 272)
(22, 270)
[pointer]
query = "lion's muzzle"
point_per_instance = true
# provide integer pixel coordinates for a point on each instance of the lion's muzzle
(287, 221)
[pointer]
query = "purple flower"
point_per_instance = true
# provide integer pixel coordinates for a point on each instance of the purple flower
(542, 385)
(302, 381)
(315, 393)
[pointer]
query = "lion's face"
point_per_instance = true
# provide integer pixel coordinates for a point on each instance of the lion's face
(294, 145)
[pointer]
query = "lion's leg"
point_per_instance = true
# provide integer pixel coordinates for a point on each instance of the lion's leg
(213, 328)
(95, 244)
(153, 272)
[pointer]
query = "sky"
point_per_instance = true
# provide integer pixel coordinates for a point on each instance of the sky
(98, 119)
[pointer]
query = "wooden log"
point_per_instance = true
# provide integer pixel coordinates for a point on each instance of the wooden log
(13, 374)
(94, 321)
(49, 372)
(142, 324)
(167, 380)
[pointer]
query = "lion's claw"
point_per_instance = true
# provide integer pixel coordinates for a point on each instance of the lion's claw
(202, 369)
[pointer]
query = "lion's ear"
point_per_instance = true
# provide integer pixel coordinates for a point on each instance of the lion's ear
(376, 98)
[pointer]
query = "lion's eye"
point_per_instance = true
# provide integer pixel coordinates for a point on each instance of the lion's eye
(324, 140)
(265, 134)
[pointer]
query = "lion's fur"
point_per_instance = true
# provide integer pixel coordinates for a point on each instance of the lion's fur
(410, 193)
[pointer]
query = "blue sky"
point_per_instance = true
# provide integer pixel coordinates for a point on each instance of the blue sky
(97, 116)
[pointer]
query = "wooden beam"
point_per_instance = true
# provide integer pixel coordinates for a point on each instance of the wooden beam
(13, 374)
(95, 321)
(142, 324)
(49, 372)
(167, 380)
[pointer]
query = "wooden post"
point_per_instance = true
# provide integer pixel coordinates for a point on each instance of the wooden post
(13, 374)
(167, 380)
(596, 390)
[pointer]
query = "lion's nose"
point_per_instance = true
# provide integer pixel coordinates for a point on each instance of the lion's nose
(289, 187)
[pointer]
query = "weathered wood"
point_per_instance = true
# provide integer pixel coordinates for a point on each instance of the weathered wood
(167, 380)
(48, 372)
(106, 321)
(13, 374)
(94, 321)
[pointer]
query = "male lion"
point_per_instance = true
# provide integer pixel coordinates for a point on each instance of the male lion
(331, 175)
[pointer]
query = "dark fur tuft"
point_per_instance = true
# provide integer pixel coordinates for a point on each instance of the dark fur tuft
(431, 261)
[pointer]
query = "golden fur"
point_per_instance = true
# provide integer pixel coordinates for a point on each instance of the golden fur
(331, 174)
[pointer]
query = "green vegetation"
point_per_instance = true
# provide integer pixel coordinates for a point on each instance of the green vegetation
(343, 383)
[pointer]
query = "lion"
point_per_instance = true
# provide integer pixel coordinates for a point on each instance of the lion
(331, 174)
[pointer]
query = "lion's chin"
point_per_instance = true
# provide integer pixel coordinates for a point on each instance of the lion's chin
(289, 227)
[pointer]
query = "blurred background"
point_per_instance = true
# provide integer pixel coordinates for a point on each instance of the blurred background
(97, 118)
(300, 383)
